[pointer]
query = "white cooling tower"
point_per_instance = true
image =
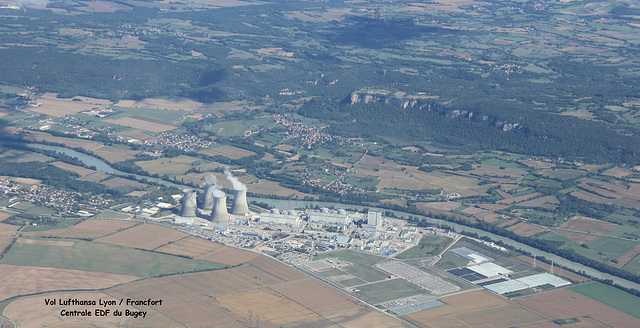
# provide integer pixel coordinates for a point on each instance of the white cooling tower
(219, 212)
(239, 205)
(207, 204)
(189, 203)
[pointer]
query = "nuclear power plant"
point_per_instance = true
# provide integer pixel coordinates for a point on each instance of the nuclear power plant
(219, 212)
(189, 203)
(239, 205)
(215, 200)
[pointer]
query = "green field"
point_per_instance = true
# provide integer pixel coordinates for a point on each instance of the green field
(19, 156)
(500, 163)
(389, 290)
(633, 266)
(430, 245)
(98, 257)
(563, 174)
(611, 247)
(57, 224)
(610, 296)
(109, 214)
(362, 264)
(450, 260)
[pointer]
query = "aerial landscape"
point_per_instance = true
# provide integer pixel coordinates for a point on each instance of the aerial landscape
(365, 163)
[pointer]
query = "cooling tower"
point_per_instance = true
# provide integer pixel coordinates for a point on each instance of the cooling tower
(239, 205)
(207, 204)
(219, 212)
(189, 204)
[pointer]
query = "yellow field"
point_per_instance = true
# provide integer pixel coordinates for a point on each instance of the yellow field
(23, 314)
(474, 309)
(56, 107)
(142, 124)
(525, 229)
(122, 182)
(176, 103)
(176, 165)
(227, 256)
(144, 236)
(449, 182)
(84, 229)
(73, 168)
(191, 246)
(493, 171)
(69, 142)
(564, 303)
(273, 308)
(21, 280)
(7, 229)
(115, 154)
(228, 151)
(618, 172)
(5, 241)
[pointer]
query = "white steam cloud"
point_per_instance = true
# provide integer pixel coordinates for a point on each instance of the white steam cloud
(237, 185)
(218, 193)
(211, 179)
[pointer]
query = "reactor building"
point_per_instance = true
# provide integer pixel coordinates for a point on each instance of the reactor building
(219, 212)
(374, 218)
(189, 204)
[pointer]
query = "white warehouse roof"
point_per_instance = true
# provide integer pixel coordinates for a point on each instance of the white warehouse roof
(489, 269)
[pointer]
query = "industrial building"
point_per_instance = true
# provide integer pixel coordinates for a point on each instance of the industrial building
(293, 220)
(374, 218)
(329, 218)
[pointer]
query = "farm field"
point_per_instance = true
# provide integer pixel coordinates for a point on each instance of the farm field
(567, 304)
(429, 245)
(362, 264)
(7, 229)
(86, 229)
(118, 182)
(81, 171)
(22, 280)
(389, 290)
(176, 165)
(20, 156)
(5, 241)
(475, 309)
(59, 107)
(227, 151)
(115, 154)
(190, 246)
(228, 256)
(581, 223)
(90, 256)
(144, 236)
(610, 296)
(143, 123)
(21, 312)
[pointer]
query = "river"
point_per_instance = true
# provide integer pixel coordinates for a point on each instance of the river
(293, 204)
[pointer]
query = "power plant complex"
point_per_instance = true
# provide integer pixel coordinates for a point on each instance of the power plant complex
(215, 200)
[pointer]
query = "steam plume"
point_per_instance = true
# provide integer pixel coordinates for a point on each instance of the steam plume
(237, 185)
